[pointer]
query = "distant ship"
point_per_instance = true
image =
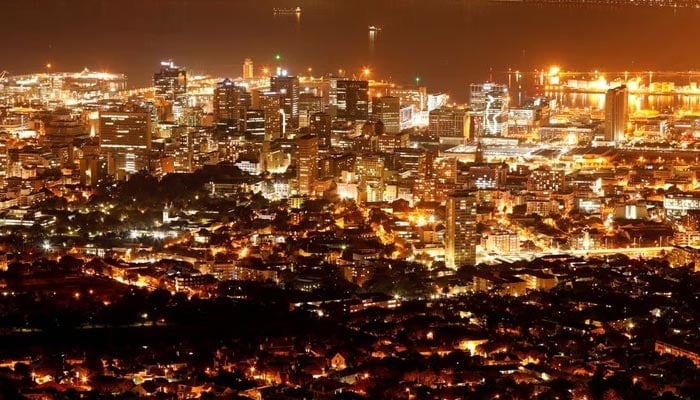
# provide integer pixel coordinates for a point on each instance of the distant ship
(286, 11)
(373, 28)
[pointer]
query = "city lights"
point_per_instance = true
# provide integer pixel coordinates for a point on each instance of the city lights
(488, 201)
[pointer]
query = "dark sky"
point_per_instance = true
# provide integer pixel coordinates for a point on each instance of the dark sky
(447, 42)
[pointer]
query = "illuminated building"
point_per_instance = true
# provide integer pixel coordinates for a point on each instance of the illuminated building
(254, 124)
(228, 103)
(61, 130)
(307, 163)
(386, 109)
(388, 143)
(545, 179)
(616, 114)
(461, 237)
(502, 242)
(271, 104)
(437, 100)
(490, 101)
(309, 104)
(191, 149)
(444, 176)
(411, 95)
(450, 124)
(336, 165)
(678, 205)
(369, 168)
(485, 176)
(248, 69)
(320, 124)
(288, 89)
(406, 116)
(353, 100)
(125, 137)
(170, 85)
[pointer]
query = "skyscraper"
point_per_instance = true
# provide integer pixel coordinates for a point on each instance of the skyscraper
(450, 124)
(170, 85)
(248, 70)
(616, 113)
(125, 136)
(490, 101)
(309, 103)
(387, 110)
(271, 104)
(288, 89)
(461, 237)
(228, 107)
(320, 125)
(307, 163)
(353, 100)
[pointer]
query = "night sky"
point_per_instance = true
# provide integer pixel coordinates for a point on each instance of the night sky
(446, 43)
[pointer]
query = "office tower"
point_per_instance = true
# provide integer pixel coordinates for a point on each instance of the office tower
(490, 101)
(307, 163)
(271, 104)
(461, 237)
(321, 125)
(369, 168)
(450, 124)
(616, 114)
(353, 100)
(288, 89)
(248, 70)
(417, 96)
(437, 100)
(254, 124)
(228, 103)
(309, 103)
(387, 109)
(125, 137)
(170, 85)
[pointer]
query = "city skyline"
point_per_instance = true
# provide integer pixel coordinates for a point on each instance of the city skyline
(187, 34)
(349, 200)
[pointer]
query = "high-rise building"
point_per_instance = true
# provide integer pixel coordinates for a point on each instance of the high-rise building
(461, 237)
(490, 101)
(450, 124)
(616, 113)
(170, 85)
(369, 168)
(352, 100)
(387, 109)
(254, 124)
(309, 103)
(415, 95)
(228, 102)
(288, 89)
(321, 126)
(307, 163)
(271, 104)
(437, 100)
(248, 70)
(125, 136)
